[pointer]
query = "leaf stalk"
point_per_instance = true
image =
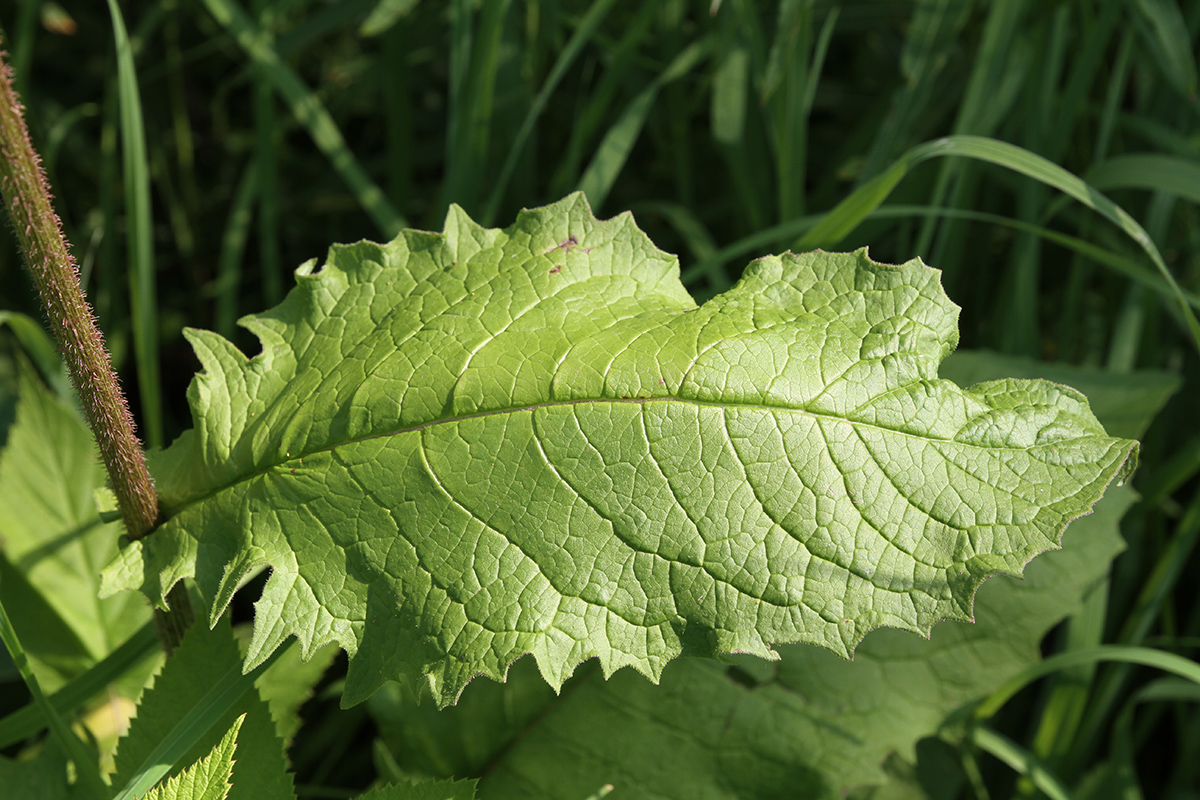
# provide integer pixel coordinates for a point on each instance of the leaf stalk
(26, 194)
(39, 231)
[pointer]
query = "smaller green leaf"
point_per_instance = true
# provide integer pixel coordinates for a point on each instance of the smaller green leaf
(27, 721)
(208, 778)
(9, 389)
(199, 693)
(41, 350)
(83, 758)
(107, 505)
(53, 542)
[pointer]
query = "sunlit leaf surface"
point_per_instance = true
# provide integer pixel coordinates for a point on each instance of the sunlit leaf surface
(459, 448)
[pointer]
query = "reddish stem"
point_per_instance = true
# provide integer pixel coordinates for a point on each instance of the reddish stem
(27, 196)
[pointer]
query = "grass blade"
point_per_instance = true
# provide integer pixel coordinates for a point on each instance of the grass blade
(824, 36)
(385, 14)
(398, 108)
(1021, 760)
(933, 34)
(1159, 173)
(1066, 698)
(727, 108)
(989, 89)
(140, 222)
(600, 99)
(1122, 749)
(582, 34)
(798, 60)
(108, 292)
(266, 161)
(462, 15)
(759, 241)
(1165, 576)
(1157, 586)
(847, 215)
(20, 44)
(1167, 32)
(1145, 656)
(686, 224)
(1127, 267)
(597, 180)
(310, 112)
(474, 63)
(233, 248)
(26, 722)
(85, 761)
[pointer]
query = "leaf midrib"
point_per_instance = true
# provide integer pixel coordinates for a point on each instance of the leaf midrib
(531, 407)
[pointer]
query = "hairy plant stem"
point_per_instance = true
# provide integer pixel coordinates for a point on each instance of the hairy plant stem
(39, 231)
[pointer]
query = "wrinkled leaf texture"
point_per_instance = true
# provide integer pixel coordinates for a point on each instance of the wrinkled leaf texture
(810, 725)
(458, 448)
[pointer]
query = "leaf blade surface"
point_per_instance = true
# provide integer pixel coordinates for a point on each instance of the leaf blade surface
(808, 725)
(456, 449)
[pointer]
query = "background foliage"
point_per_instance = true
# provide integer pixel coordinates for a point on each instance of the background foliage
(276, 128)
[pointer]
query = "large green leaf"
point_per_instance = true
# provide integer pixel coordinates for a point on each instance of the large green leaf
(456, 449)
(811, 725)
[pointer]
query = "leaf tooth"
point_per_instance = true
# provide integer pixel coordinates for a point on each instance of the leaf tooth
(236, 571)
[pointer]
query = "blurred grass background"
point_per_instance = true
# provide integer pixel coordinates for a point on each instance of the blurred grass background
(200, 159)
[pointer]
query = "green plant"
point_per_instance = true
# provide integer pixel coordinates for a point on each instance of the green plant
(458, 448)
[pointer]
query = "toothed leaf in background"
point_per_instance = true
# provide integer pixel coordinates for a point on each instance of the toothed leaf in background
(203, 659)
(208, 778)
(424, 790)
(811, 725)
(456, 449)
